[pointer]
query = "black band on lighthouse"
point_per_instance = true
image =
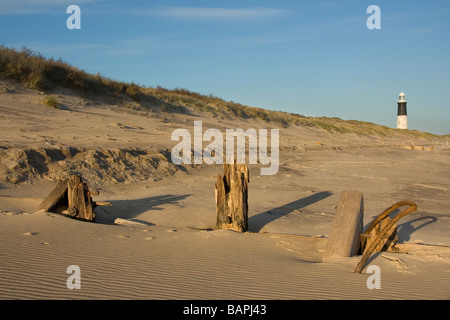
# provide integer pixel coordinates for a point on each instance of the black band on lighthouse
(401, 109)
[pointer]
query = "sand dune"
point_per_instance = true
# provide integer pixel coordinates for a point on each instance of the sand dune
(157, 240)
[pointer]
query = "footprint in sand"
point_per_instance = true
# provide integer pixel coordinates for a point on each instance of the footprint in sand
(287, 245)
(398, 263)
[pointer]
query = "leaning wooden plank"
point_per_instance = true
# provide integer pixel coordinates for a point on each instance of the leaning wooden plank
(347, 226)
(56, 201)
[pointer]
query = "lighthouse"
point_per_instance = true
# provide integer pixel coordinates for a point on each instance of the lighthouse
(402, 120)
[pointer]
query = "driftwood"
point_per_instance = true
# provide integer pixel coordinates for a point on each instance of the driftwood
(57, 200)
(231, 195)
(380, 234)
(71, 197)
(347, 226)
(80, 204)
(386, 243)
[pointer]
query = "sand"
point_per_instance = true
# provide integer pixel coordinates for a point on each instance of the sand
(157, 240)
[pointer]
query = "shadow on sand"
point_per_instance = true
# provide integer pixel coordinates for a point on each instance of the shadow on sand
(258, 221)
(406, 229)
(130, 209)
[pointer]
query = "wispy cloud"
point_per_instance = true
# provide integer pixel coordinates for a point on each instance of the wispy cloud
(216, 14)
(26, 7)
(120, 47)
(34, 7)
(57, 50)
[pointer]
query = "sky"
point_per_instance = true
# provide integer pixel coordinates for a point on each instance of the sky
(314, 58)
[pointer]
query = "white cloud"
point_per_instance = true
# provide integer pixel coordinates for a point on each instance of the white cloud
(57, 50)
(215, 14)
(12, 7)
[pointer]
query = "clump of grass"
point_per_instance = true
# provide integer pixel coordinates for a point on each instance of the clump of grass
(133, 91)
(50, 101)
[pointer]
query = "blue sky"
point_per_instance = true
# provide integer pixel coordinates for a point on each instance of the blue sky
(315, 58)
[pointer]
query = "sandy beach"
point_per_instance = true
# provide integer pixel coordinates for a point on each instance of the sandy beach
(157, 240)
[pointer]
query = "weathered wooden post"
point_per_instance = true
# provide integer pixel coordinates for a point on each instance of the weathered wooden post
(231, 195)
(80, 204)
(347, 226)
(71, 197)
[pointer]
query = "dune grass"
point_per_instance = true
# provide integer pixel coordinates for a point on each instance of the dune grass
(37, 72)
(50, 101)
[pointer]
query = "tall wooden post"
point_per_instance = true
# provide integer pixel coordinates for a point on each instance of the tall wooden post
(347, 226)
(231, 194)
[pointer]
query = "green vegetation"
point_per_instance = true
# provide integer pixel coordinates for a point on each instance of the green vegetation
(36, 72)
(50, 101)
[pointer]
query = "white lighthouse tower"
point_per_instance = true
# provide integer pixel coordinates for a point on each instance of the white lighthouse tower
(402, 120)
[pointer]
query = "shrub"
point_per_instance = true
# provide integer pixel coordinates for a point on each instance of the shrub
(50, 101)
